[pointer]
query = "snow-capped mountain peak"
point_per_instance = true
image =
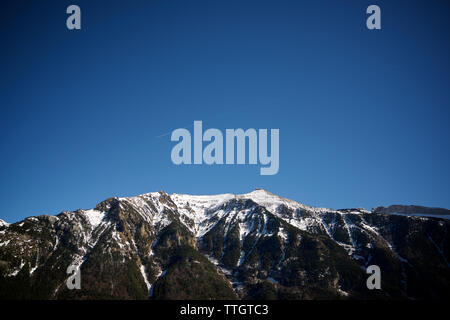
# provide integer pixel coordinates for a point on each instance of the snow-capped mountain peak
(237, 241)
(272, 201)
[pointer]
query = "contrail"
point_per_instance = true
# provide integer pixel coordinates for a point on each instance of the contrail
(167, 133)
(213, 118)
(163, 135)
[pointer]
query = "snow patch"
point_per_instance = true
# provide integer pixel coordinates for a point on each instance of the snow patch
(5, 243)
(144, 275)
(3, 223)
(424, 215)
(95, 217)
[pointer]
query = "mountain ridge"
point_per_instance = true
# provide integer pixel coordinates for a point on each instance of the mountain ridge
(396, 208)
(255, 245)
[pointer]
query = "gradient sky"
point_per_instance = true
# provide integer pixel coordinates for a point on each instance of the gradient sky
(363, 115)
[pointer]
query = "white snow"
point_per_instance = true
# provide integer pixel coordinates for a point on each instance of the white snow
(144, 275)
(199, 209)
(150, 208)
(5, 243)
(282, 234)
(15, 272)
(33, 269)
(213, 260)
(426, 215)
(342, 292)
(200, 213)
(241, 258)
(95, 217)
(272, 201)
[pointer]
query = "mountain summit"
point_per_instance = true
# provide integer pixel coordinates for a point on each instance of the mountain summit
(252, 246)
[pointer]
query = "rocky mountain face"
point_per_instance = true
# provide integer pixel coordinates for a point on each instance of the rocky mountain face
(252, 246)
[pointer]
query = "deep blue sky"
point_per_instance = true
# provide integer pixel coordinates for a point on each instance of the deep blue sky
(363, 115)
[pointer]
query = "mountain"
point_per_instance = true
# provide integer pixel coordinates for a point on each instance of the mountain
(414, 210)
(252, 246)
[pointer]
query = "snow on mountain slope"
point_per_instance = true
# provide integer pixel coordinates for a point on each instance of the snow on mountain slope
(422, 215)
(95, 217)
(200, 213)
(272, 201)
(150, 207)
(3, 223)
(257, 236)
(199, 210)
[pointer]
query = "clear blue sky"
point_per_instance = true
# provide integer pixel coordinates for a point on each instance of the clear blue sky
(363, 115)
